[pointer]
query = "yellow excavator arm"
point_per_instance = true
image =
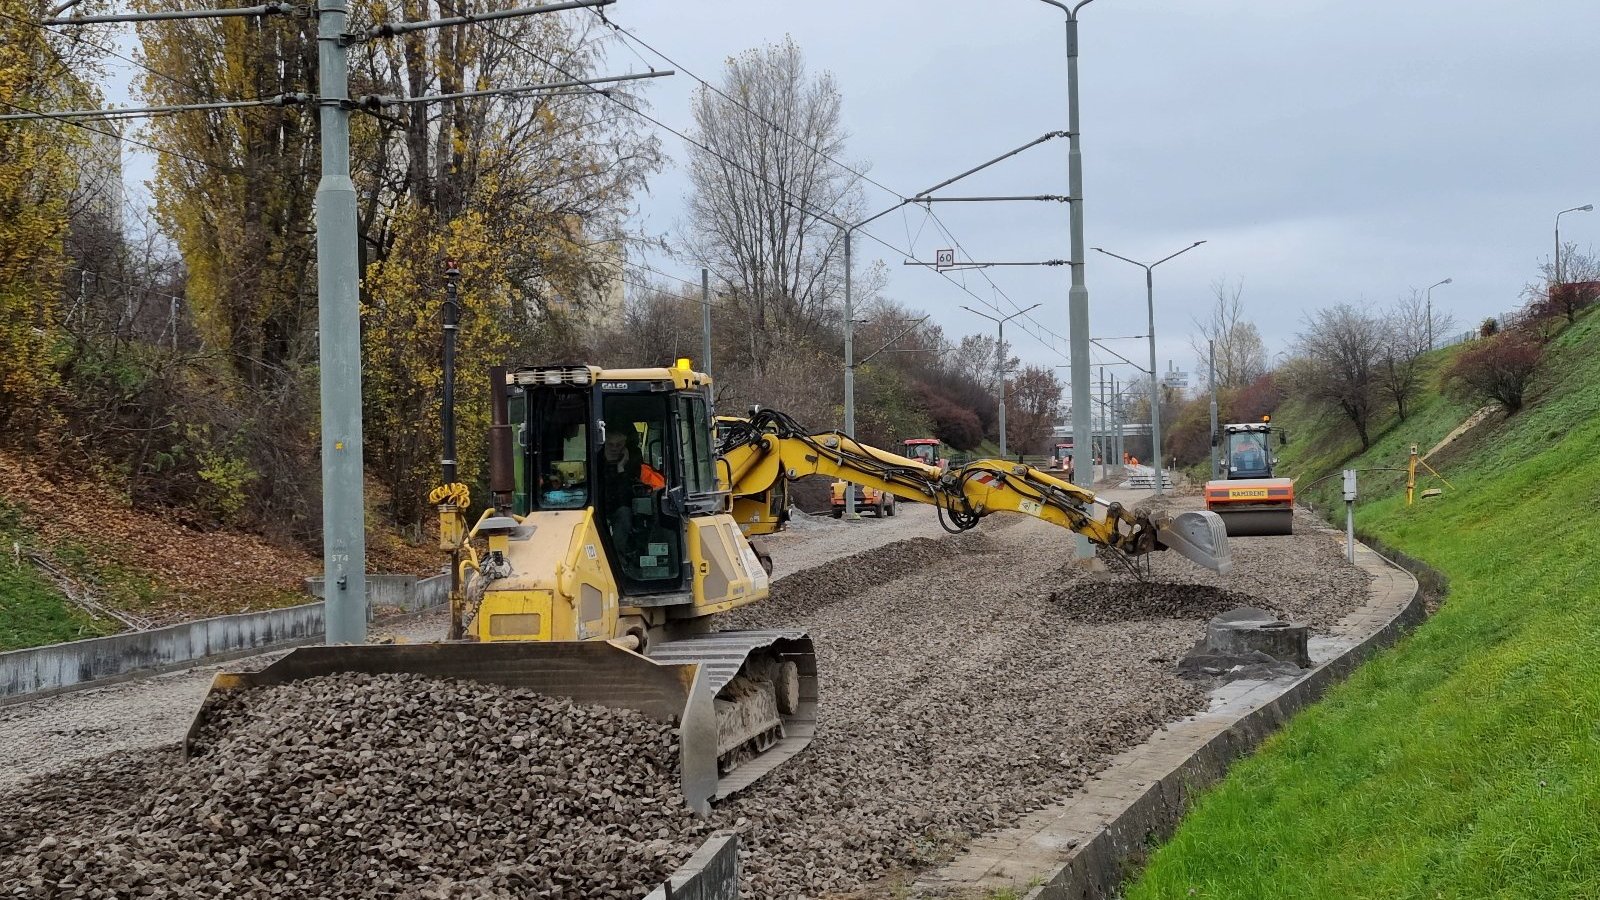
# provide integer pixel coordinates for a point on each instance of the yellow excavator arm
(772, 446)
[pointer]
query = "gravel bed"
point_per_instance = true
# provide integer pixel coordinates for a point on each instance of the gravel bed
(966, 681)
(358, 785)
(1303, 577)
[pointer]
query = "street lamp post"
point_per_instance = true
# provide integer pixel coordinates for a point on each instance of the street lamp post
(1155, 377)
(1588, 207)
(1430, 309)
(1000, 364)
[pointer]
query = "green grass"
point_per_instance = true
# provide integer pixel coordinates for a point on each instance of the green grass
(1466, 761)
(32, 610)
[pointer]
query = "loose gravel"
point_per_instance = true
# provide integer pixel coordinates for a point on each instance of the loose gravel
(359, 785)
(965, 681)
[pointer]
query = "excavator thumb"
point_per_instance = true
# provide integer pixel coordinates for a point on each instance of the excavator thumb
(1200, 537)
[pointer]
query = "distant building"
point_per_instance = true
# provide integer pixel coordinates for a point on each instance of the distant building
(99, 195)
(597, 305)
(1175, 379)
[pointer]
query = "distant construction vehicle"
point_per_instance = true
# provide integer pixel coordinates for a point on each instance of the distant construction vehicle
(868, 499)
(1250, 500)
(928, 451)
(1061, 459)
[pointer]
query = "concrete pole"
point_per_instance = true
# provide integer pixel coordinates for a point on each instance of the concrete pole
(1216, 431)
(1078, 296)
(849, 371)
(1116, 422)
(344, 543)
(1000, 392)
(1155, 379)
(1100, 429)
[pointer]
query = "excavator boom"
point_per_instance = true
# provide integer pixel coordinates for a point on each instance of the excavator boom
(772, 446)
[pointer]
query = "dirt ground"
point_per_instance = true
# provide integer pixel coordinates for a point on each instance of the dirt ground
(966, 680)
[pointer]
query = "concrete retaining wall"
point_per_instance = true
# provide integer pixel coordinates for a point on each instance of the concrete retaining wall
(407, 593)
(712, 873)
(39, 671)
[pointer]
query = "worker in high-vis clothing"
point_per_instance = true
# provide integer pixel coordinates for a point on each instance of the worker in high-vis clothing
(625, 476)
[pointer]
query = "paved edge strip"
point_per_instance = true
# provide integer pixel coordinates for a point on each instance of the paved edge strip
(1085, 847)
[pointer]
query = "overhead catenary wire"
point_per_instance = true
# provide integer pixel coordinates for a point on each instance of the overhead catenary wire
(734, 164)
(630, 35)
(109, 51)
(141, 112)
(37, 114)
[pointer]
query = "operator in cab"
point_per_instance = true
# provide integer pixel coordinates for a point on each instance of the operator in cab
(624, 476)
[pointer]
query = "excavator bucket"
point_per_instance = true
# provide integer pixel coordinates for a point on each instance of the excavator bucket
(684, 693)
(1200, 537)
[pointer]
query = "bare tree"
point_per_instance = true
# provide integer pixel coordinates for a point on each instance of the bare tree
(1341, 352)
(978, 357)
(758, 181)
(1406, 336)
(1241, 354)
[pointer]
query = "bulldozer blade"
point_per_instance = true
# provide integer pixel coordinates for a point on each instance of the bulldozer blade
(1199, 537)
(590, 672)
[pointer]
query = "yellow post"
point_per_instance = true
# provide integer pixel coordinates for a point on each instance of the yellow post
(1411, 476)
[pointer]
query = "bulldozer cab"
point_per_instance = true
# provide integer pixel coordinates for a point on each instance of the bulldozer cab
(634, 446)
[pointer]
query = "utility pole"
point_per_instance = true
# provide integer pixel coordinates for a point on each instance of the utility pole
(1000, 364)
(1116, 423)
(1155, 377)
(1078, 295)
(1100, 449)
(849, 372)
(1216, 432)
(344, 540)
(705, 333)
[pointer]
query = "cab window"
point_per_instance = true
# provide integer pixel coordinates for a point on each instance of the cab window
(694, 447)
(632, 479)
(559, 437)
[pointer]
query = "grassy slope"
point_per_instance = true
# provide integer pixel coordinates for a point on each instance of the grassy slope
(1465, 762)
(32, 611)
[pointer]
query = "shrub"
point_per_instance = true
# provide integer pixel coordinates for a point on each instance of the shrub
(1498, 369)
(1489, 328)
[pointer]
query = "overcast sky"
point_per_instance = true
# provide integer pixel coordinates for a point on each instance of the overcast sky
(1326, 151)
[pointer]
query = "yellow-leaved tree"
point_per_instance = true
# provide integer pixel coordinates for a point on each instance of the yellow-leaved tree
(235, 191)
(38, 71)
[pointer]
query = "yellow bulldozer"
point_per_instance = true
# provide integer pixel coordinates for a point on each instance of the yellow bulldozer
(606, 586)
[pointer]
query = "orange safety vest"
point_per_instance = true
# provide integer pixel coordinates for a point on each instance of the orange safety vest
(650, 477)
